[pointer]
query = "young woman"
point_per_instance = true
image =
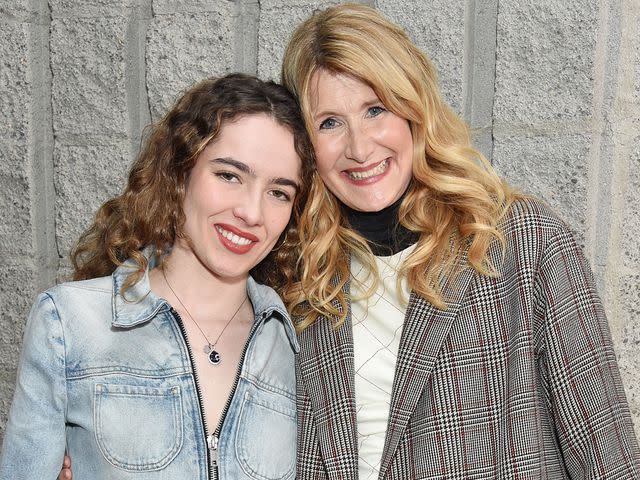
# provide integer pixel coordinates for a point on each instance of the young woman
(449, 328)
(166, 358)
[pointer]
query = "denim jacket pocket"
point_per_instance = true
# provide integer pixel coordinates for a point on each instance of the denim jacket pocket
(138, 428)
(272, 422)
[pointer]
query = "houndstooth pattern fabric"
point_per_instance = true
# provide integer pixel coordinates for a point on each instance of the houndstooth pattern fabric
(516, 379)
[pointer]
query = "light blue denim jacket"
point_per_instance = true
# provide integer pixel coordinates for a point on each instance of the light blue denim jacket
(111, 381)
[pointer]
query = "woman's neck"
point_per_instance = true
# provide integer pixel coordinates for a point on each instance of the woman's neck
(382, 229)
(197, 287)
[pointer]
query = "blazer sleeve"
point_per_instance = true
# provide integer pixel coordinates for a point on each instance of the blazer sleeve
(584, 389)
(34, 439)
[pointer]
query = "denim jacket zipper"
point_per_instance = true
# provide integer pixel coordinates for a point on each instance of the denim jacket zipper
(183, 331)
(212, 440)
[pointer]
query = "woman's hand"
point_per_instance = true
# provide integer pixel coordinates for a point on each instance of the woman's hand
(65, 472)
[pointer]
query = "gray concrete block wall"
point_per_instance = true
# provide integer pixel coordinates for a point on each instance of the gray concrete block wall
(277, 20)
(197, 39)
(438, 28)
(551, 89)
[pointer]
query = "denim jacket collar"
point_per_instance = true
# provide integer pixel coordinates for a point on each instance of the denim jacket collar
(266, 302)
(139, 304)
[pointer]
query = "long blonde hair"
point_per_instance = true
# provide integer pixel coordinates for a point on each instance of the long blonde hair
(455, 198)
(149, 211)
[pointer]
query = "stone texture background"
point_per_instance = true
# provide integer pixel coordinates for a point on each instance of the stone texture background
(551, 88)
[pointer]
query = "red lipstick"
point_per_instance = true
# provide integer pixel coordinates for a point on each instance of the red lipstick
(232, 246)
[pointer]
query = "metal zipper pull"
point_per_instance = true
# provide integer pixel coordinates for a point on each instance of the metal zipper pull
(212, 443)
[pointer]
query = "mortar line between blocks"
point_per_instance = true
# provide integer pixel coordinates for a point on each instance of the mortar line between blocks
(42, 176)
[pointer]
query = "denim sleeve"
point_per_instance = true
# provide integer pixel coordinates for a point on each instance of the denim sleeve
(34, 439)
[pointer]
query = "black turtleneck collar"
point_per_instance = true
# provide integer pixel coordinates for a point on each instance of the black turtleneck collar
(382, 230)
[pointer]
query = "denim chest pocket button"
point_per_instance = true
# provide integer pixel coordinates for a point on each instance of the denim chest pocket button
(265, 439)
(138, 428)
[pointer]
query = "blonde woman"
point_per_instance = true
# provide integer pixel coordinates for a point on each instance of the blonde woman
(449, 328)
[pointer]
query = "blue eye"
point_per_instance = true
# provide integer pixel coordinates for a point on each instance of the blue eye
(375, 111)
(329, 123)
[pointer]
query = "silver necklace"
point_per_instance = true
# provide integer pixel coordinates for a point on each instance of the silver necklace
(212, 354)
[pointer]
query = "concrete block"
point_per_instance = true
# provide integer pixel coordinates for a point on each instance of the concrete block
(16, 297)
(164, 7)
(15, 88)
(552, 167)
(628, 350)
(10, 8)
(438, 28)
(629, 363)
(545, 60)
(184, 48)
(90, 8)
(629, 295)
(278, 20)
(23, 10)
(88, 65)
(85, 177)
(16, 226)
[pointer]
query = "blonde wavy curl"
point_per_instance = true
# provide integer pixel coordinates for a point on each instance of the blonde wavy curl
(455, 200)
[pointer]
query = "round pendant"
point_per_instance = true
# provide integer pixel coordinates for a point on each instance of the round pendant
(214, 357)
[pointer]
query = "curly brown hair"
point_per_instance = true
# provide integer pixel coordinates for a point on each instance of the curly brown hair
(149, 211)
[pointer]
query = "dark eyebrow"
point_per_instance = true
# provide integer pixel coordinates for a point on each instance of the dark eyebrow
(243, 167)
(285, 182)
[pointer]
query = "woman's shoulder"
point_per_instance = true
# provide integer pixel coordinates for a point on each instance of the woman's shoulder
(70, 310)
(80, 295)
(532, 230)
(532, 214)
(79, 288)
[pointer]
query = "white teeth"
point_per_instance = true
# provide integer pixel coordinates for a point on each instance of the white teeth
(232, 237)
(370, 173)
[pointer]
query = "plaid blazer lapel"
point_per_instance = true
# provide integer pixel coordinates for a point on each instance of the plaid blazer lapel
(423, 334)
(327, 370)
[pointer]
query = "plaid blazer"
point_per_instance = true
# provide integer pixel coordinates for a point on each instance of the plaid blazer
(515, 379)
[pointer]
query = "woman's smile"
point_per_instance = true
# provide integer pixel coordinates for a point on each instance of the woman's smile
(369, 174)
(234, 239)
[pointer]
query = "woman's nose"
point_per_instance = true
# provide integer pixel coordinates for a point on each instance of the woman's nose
(359, 144)
(250, 208)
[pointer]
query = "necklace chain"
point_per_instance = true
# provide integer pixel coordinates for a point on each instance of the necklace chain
(214, 356)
